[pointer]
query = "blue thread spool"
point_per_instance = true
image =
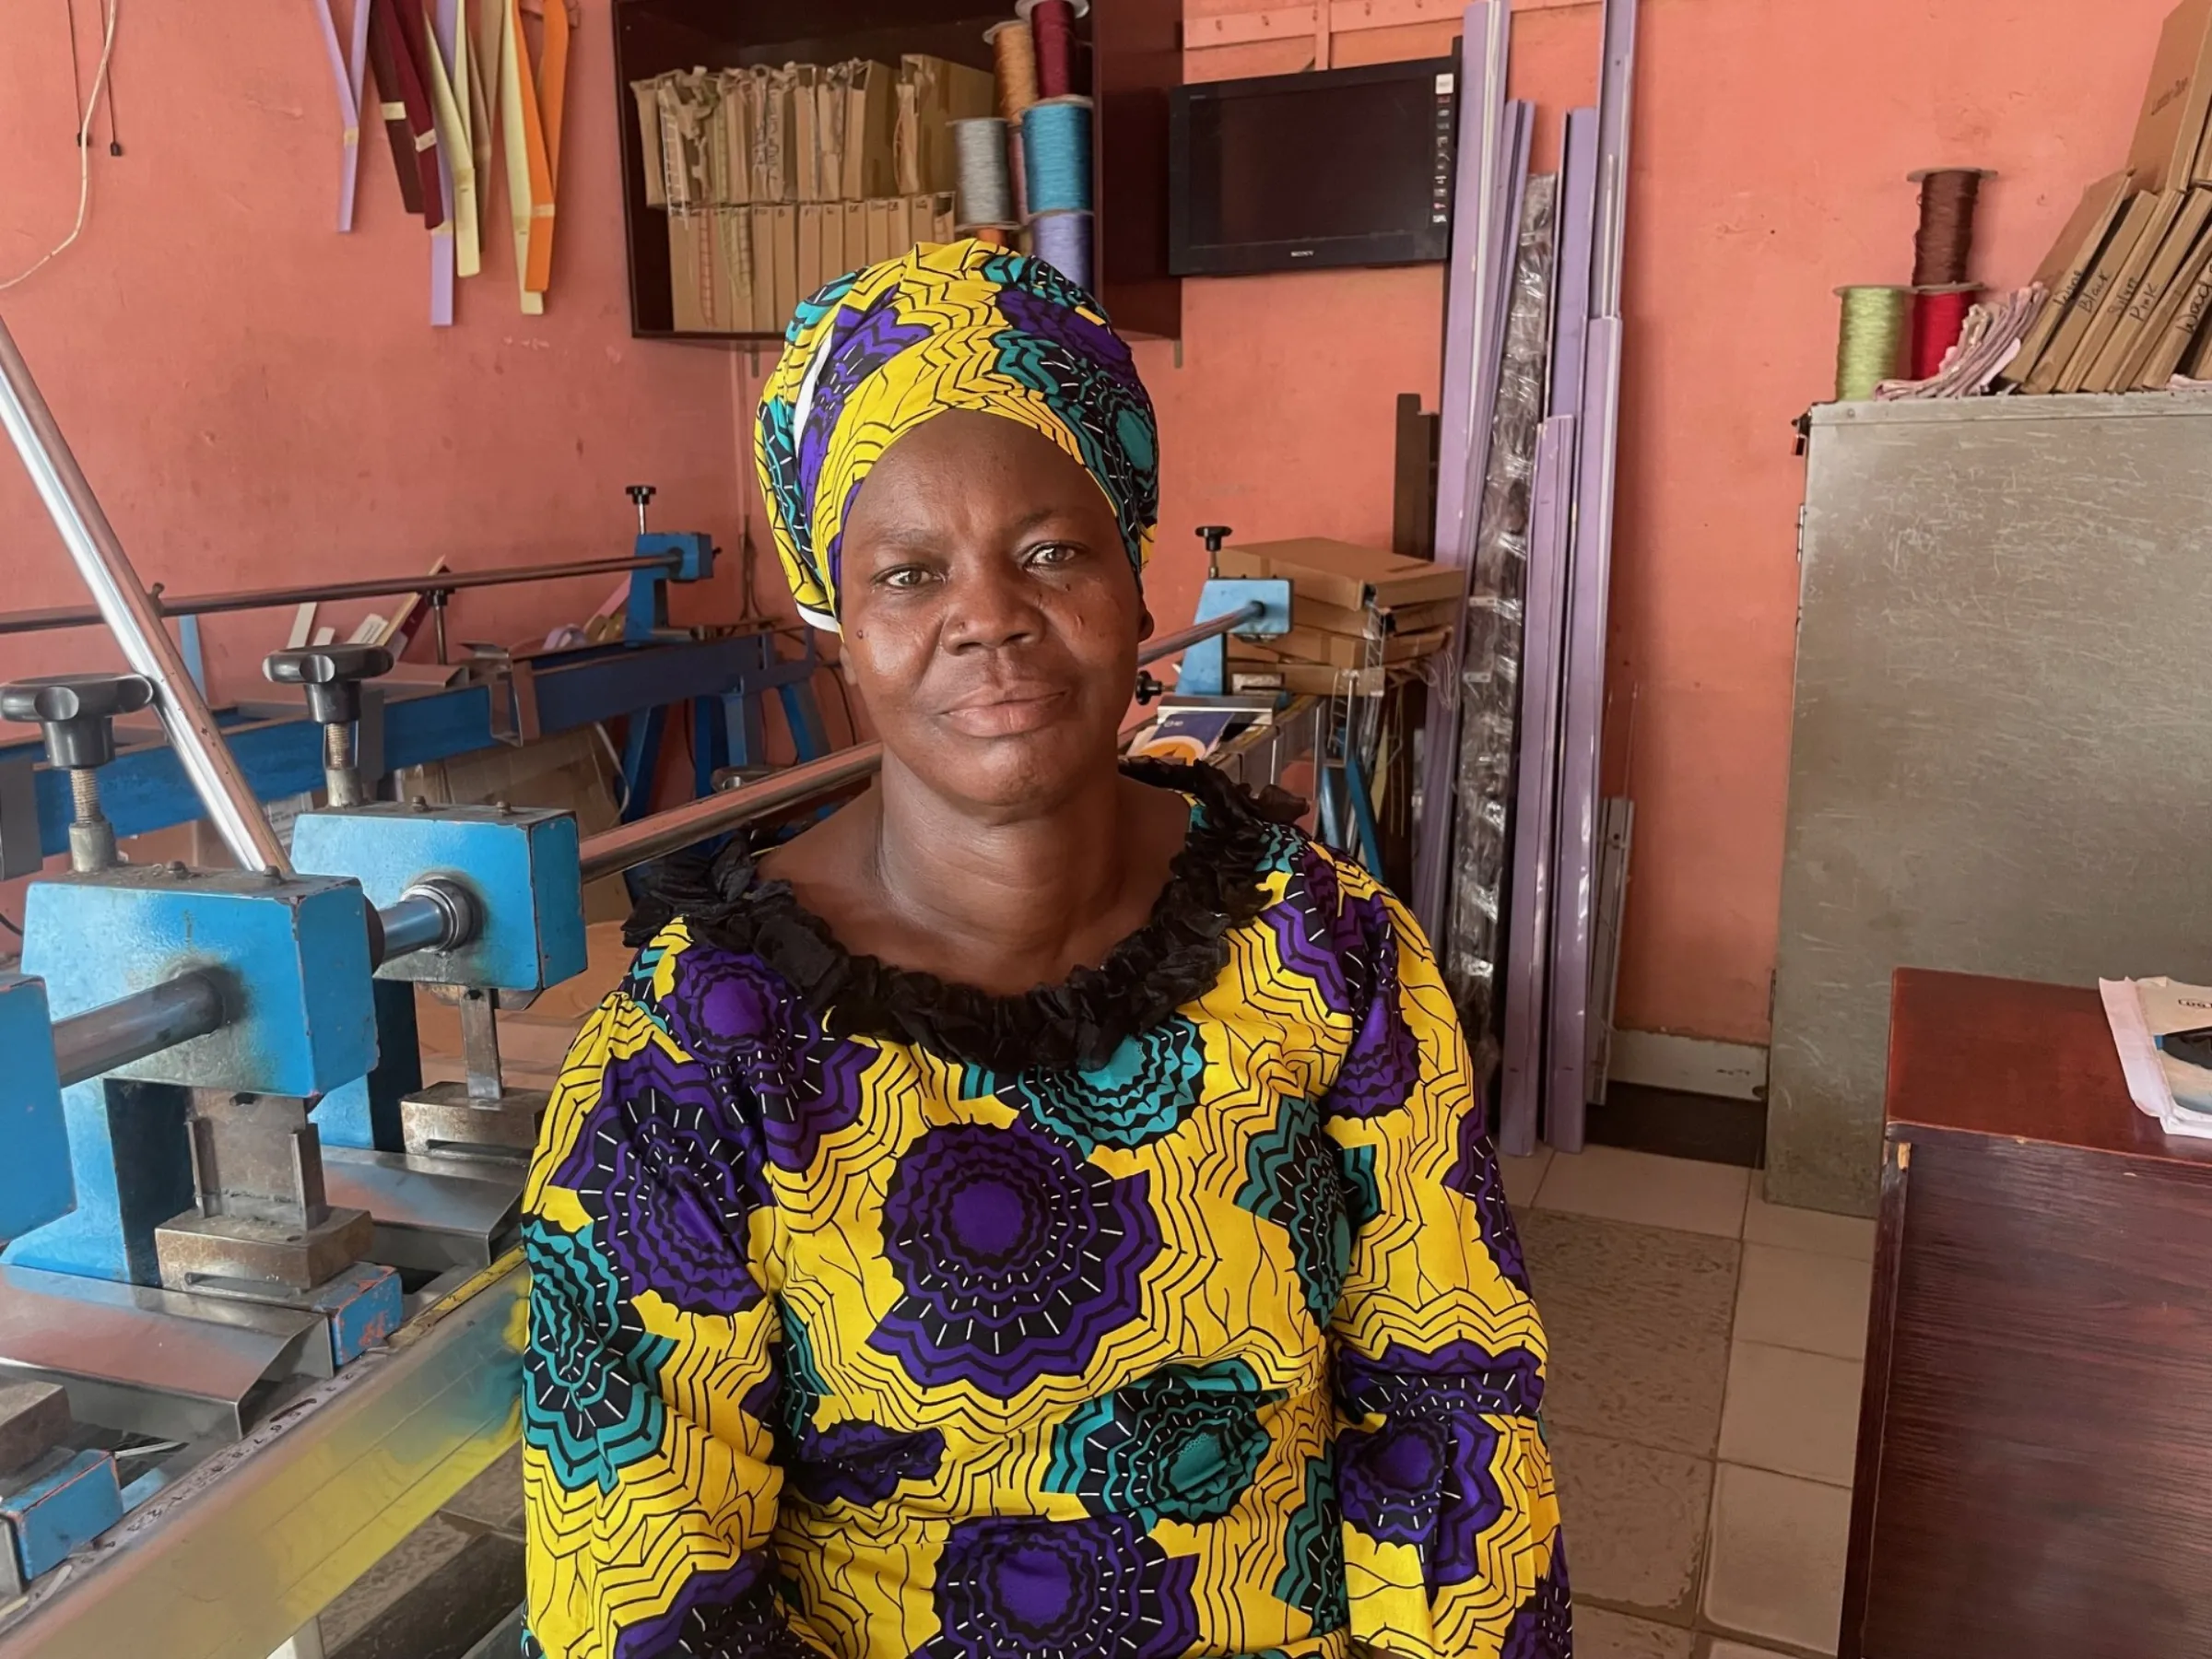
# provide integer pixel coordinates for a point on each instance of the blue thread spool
(1055, 154)
(1063, 240)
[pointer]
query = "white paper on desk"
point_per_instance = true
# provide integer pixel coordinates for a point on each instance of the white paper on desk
(2140, 1011)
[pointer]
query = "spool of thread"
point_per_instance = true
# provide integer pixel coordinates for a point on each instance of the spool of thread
(1938, 318)
(1052, 22)
(1018, 170)
(1944, 244)
(996, 236)
(983, 192)
(1014, 57)
(1870, 346)
(1056, 155)
(1063, 240)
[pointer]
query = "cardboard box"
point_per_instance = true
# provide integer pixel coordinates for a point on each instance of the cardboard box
(695, 284)
(906, 136)
(2112, 307)
(870, 103)
(2154, 351)
(810, 248)
(2184, 315)
(945, 221)
(1344, 574)
(808, 184)
(2117, 250)
(1309, 612)
(2127, 346)
(2169, 128)
(740, 114)
(881, 230)
(856, 235)
(2066, 266)
(647, 96)
(786, 274)
(1305, 679)
(1344, 651)
(770, 138)
(829, 96)
(829, 241)
(934, 93)
(762, 222)
(734, 250)
(688, 104)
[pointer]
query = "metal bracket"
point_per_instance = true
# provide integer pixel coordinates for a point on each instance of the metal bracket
(20, 851)
(1204, 670)
(645, 619)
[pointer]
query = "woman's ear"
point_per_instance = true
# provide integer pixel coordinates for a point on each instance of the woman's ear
(1143, 622)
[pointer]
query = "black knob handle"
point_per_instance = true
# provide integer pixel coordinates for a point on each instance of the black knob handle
(1214, 536)
(76, 712)
(640, 493)
(1148, 688)
(333, 676)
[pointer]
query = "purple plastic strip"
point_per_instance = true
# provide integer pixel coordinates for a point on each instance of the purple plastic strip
(1439, 755)
(1581, 733)
(348, 72)
(1528, 956)
(442, 251)
(1478, 274)
(1578, 231)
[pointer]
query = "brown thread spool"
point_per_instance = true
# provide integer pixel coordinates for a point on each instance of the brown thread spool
(1943, 244)
(1014, 54)
(1053, 24)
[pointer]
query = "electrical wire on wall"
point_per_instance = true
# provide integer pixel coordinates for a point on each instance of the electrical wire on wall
(84, 145)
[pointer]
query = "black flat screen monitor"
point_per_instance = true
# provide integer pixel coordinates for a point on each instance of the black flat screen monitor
(1284, 173)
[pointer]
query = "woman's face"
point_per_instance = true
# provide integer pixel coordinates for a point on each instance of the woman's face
(991, 618)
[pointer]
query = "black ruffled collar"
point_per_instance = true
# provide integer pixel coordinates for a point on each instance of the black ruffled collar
(1215, 884)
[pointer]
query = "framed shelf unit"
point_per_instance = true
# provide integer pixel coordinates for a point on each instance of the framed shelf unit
(1136, 53)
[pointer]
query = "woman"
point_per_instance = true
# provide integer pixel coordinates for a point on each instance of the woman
(1042, 1212)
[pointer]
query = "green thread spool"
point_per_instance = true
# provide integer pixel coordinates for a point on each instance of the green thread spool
(1870, 347)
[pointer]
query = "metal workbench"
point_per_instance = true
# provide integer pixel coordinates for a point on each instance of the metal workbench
(247, 1548)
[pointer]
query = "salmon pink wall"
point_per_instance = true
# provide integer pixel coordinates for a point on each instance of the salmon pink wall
(258, 400)
(1770, 143)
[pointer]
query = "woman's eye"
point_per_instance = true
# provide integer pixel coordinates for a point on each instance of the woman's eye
(904, 576)
(1055, 553)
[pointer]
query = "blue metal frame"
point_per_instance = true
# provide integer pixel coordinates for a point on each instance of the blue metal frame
(144, 788)
(645, 617)
(1205, 668)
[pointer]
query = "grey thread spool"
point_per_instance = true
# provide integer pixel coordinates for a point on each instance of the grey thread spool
(985, 184)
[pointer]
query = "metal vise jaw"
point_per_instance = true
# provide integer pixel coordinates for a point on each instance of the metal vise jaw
(519, 868)
(36, 1186)
(291, 954)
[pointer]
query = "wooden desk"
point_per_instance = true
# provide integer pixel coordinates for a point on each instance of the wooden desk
(2035, 1439)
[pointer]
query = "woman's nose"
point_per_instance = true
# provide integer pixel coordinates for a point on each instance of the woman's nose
(991, 608)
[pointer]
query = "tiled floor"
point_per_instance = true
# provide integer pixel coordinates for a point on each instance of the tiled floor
(1703, 1405)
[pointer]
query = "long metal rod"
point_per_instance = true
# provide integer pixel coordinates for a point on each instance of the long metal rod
(1166, 645)
(444, 582)
(622, 848)
(131, 617)
(146, 1022)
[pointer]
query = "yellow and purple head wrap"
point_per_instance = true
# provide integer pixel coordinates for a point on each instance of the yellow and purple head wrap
(959, 327)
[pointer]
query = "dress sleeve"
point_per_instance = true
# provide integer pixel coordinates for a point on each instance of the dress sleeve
(652, 1375)
(1450, 1522)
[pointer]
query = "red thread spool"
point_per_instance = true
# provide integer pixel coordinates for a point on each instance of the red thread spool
(1053, 24)
(1938, 316)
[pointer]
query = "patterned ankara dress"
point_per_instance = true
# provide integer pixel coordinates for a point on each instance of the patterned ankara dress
(1173, 1310)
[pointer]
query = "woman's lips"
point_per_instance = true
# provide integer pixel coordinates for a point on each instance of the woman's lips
(1006, 711)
